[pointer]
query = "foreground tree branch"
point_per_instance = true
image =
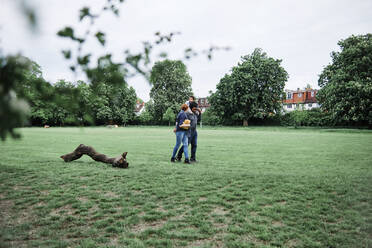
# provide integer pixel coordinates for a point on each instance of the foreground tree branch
(119, 161)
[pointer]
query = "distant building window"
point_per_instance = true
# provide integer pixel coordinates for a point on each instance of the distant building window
(289, 95)
(310, 105)
(312, 93)
(289, 106)
(299, 94)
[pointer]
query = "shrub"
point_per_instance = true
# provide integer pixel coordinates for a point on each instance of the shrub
(313, 117)
(210, 118)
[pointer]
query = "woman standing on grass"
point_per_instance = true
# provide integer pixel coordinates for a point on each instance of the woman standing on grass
(181, 135)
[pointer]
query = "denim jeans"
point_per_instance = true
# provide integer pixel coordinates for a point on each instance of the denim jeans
(181, 138)
(193, 140)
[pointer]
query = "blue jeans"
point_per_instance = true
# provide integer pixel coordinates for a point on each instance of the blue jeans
(193, 140)
(181, 138)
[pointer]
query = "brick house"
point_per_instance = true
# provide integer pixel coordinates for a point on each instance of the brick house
(300, 99)
(203, 103)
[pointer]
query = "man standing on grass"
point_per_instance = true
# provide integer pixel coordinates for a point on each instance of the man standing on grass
(191, 133)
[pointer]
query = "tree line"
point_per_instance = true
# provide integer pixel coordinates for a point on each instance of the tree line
(107, 99)
(254, 89)
(250, 93)
(78, 104)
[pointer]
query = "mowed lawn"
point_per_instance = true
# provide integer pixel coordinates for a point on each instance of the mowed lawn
(252, 187)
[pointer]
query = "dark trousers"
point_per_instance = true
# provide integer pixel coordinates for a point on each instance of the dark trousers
(193, 140)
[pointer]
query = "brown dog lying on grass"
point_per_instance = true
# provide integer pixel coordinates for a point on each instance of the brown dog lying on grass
(120, 161)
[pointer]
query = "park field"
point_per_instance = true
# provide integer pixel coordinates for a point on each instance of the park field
(252, 187)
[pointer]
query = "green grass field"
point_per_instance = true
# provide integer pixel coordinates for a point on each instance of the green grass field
(252, 187)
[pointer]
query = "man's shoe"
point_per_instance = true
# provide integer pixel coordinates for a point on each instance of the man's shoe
(173, 160)
(193, 160)
(179, 159)
(187, 161)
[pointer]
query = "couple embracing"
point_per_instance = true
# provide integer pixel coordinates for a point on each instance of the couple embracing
(185, 130)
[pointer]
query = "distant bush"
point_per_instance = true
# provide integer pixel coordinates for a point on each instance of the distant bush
(210, 118)
(145, 118)
(314, 117)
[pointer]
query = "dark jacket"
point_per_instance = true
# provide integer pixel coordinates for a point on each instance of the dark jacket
(193, 120)
(193, 123)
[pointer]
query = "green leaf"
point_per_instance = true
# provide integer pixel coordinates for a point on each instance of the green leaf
(84, 12)
(101, 38)
(67, 32)
(84, 60)
(114, 10)
(80, 40)
(66, 54)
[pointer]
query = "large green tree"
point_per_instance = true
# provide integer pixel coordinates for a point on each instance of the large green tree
(113, 101)
(251, 91)
(171, 86)
(346, 83)
(67, 105)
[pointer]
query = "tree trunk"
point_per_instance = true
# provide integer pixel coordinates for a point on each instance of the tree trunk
(245, 123)
(119, 161)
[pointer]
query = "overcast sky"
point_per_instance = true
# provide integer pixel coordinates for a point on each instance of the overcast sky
(301, 33)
